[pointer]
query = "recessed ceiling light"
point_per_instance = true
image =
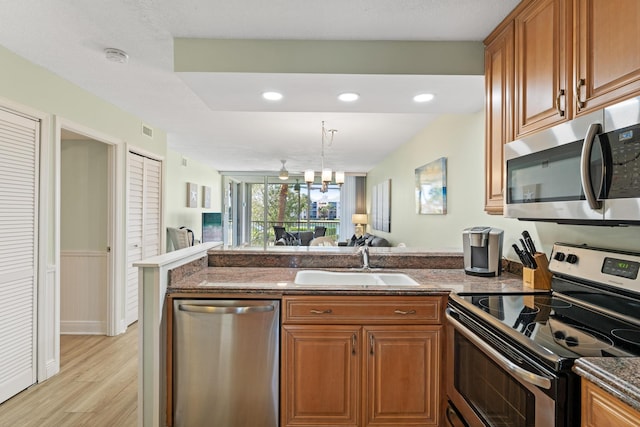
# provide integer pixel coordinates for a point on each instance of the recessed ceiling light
(423, 97)
(348, 97)
(272, 96)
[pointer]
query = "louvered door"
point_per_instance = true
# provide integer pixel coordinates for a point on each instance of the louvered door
(19, 140)
(143, 223)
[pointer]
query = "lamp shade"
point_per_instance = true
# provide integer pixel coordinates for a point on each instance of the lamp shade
(339, 177)
(309, 175)
(359, 218)
(326, 175)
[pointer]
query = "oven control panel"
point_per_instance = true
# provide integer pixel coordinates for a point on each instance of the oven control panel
(615, 268)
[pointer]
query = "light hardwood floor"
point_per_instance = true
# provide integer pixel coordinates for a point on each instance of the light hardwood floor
(96, 386)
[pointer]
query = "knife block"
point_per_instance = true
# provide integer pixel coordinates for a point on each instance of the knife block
(539, 278)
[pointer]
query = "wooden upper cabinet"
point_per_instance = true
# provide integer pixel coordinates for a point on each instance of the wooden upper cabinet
(542, 65)
(607, 52)
(499, 114)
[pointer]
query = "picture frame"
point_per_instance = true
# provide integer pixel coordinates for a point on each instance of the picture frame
(206, 197)
(431, 188)
(381, 206)
(192, 195)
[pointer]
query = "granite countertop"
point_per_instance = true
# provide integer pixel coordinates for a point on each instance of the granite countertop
(257, 270)
(280, 280)
(616, 375)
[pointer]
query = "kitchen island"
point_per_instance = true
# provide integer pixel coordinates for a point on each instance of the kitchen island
(270, 273)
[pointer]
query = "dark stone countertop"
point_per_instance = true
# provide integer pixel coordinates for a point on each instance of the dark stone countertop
(277, 280)
(616, 375)
(272, 271)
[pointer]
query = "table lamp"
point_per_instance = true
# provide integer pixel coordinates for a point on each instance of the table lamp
(359, 220)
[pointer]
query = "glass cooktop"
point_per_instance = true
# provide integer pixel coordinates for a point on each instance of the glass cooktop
(560, 326)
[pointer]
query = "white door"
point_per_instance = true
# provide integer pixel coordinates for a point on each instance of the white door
(19, 142)
(143, 223)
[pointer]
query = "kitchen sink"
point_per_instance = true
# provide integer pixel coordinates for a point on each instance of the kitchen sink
(318, 277)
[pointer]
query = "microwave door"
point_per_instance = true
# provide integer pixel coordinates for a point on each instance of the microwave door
(543, 174)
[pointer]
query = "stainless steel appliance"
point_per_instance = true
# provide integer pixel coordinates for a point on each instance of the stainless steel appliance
(225, 363)
(482, 249)
(511, 354)
(585, 171)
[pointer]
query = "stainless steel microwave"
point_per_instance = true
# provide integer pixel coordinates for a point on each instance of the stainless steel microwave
(585, 171)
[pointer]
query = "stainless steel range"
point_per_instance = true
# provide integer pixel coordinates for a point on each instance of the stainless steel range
(511, 354)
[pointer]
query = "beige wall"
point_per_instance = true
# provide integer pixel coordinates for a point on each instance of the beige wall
(460, 138)
(83, 196)
(176, 212)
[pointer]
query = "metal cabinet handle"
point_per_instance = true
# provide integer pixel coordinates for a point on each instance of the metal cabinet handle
(560, 95)
(216, 309)
(354, 343)
(404, 313)
(314, 311)
(580, 103)
(371, 343)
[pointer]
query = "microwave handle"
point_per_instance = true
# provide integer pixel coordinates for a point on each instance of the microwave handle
(585, 158)
(502, 361)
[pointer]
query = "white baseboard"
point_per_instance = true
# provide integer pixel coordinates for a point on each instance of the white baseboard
(70, 327)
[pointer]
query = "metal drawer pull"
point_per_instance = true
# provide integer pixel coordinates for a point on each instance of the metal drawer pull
(404, 313)
(314, 311)
(371, 343)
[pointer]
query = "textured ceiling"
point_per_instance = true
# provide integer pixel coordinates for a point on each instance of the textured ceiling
(219, 119)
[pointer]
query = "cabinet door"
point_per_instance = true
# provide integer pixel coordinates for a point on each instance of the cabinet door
(542, 50)
(499, 117)
(600, 408)
(402, 375)
(320, 375)
(607, 52)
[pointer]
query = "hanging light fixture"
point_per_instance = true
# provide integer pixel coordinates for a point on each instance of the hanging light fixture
(326, 174)
(284, 173)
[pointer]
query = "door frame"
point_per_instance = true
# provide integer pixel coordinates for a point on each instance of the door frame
(115, 231)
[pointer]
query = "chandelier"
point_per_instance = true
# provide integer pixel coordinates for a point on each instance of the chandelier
(326, 174)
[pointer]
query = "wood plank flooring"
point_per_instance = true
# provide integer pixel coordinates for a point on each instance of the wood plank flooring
(97, 386)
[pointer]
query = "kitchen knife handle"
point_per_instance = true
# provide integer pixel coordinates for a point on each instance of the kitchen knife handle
(529, 241)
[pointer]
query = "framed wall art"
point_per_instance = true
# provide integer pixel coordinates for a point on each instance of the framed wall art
(431, 188)
(192, 195)
(381, 206)
(206, 197)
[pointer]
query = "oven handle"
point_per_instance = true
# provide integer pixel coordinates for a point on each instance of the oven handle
(505, 363)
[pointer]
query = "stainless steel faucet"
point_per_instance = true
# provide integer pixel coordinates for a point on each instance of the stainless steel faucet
(364, 250)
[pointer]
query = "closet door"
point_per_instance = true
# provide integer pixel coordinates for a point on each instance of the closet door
(143, 223)
(19, 142)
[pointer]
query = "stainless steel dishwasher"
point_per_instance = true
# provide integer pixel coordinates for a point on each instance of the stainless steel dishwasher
(225, 363)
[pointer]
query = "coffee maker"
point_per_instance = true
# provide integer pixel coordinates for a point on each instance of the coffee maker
(482, 248)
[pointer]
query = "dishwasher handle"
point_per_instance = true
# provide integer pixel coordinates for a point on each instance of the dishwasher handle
(223, 309)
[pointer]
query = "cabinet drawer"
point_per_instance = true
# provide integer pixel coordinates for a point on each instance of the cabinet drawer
(358, 310)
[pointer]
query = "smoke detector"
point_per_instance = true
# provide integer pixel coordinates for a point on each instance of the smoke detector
(116, 55)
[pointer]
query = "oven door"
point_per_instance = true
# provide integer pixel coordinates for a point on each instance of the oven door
(491, 389)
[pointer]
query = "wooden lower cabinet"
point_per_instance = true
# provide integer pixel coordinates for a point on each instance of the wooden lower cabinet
(320, 375)
(362, 374)
(601, 409)
(400, 384)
